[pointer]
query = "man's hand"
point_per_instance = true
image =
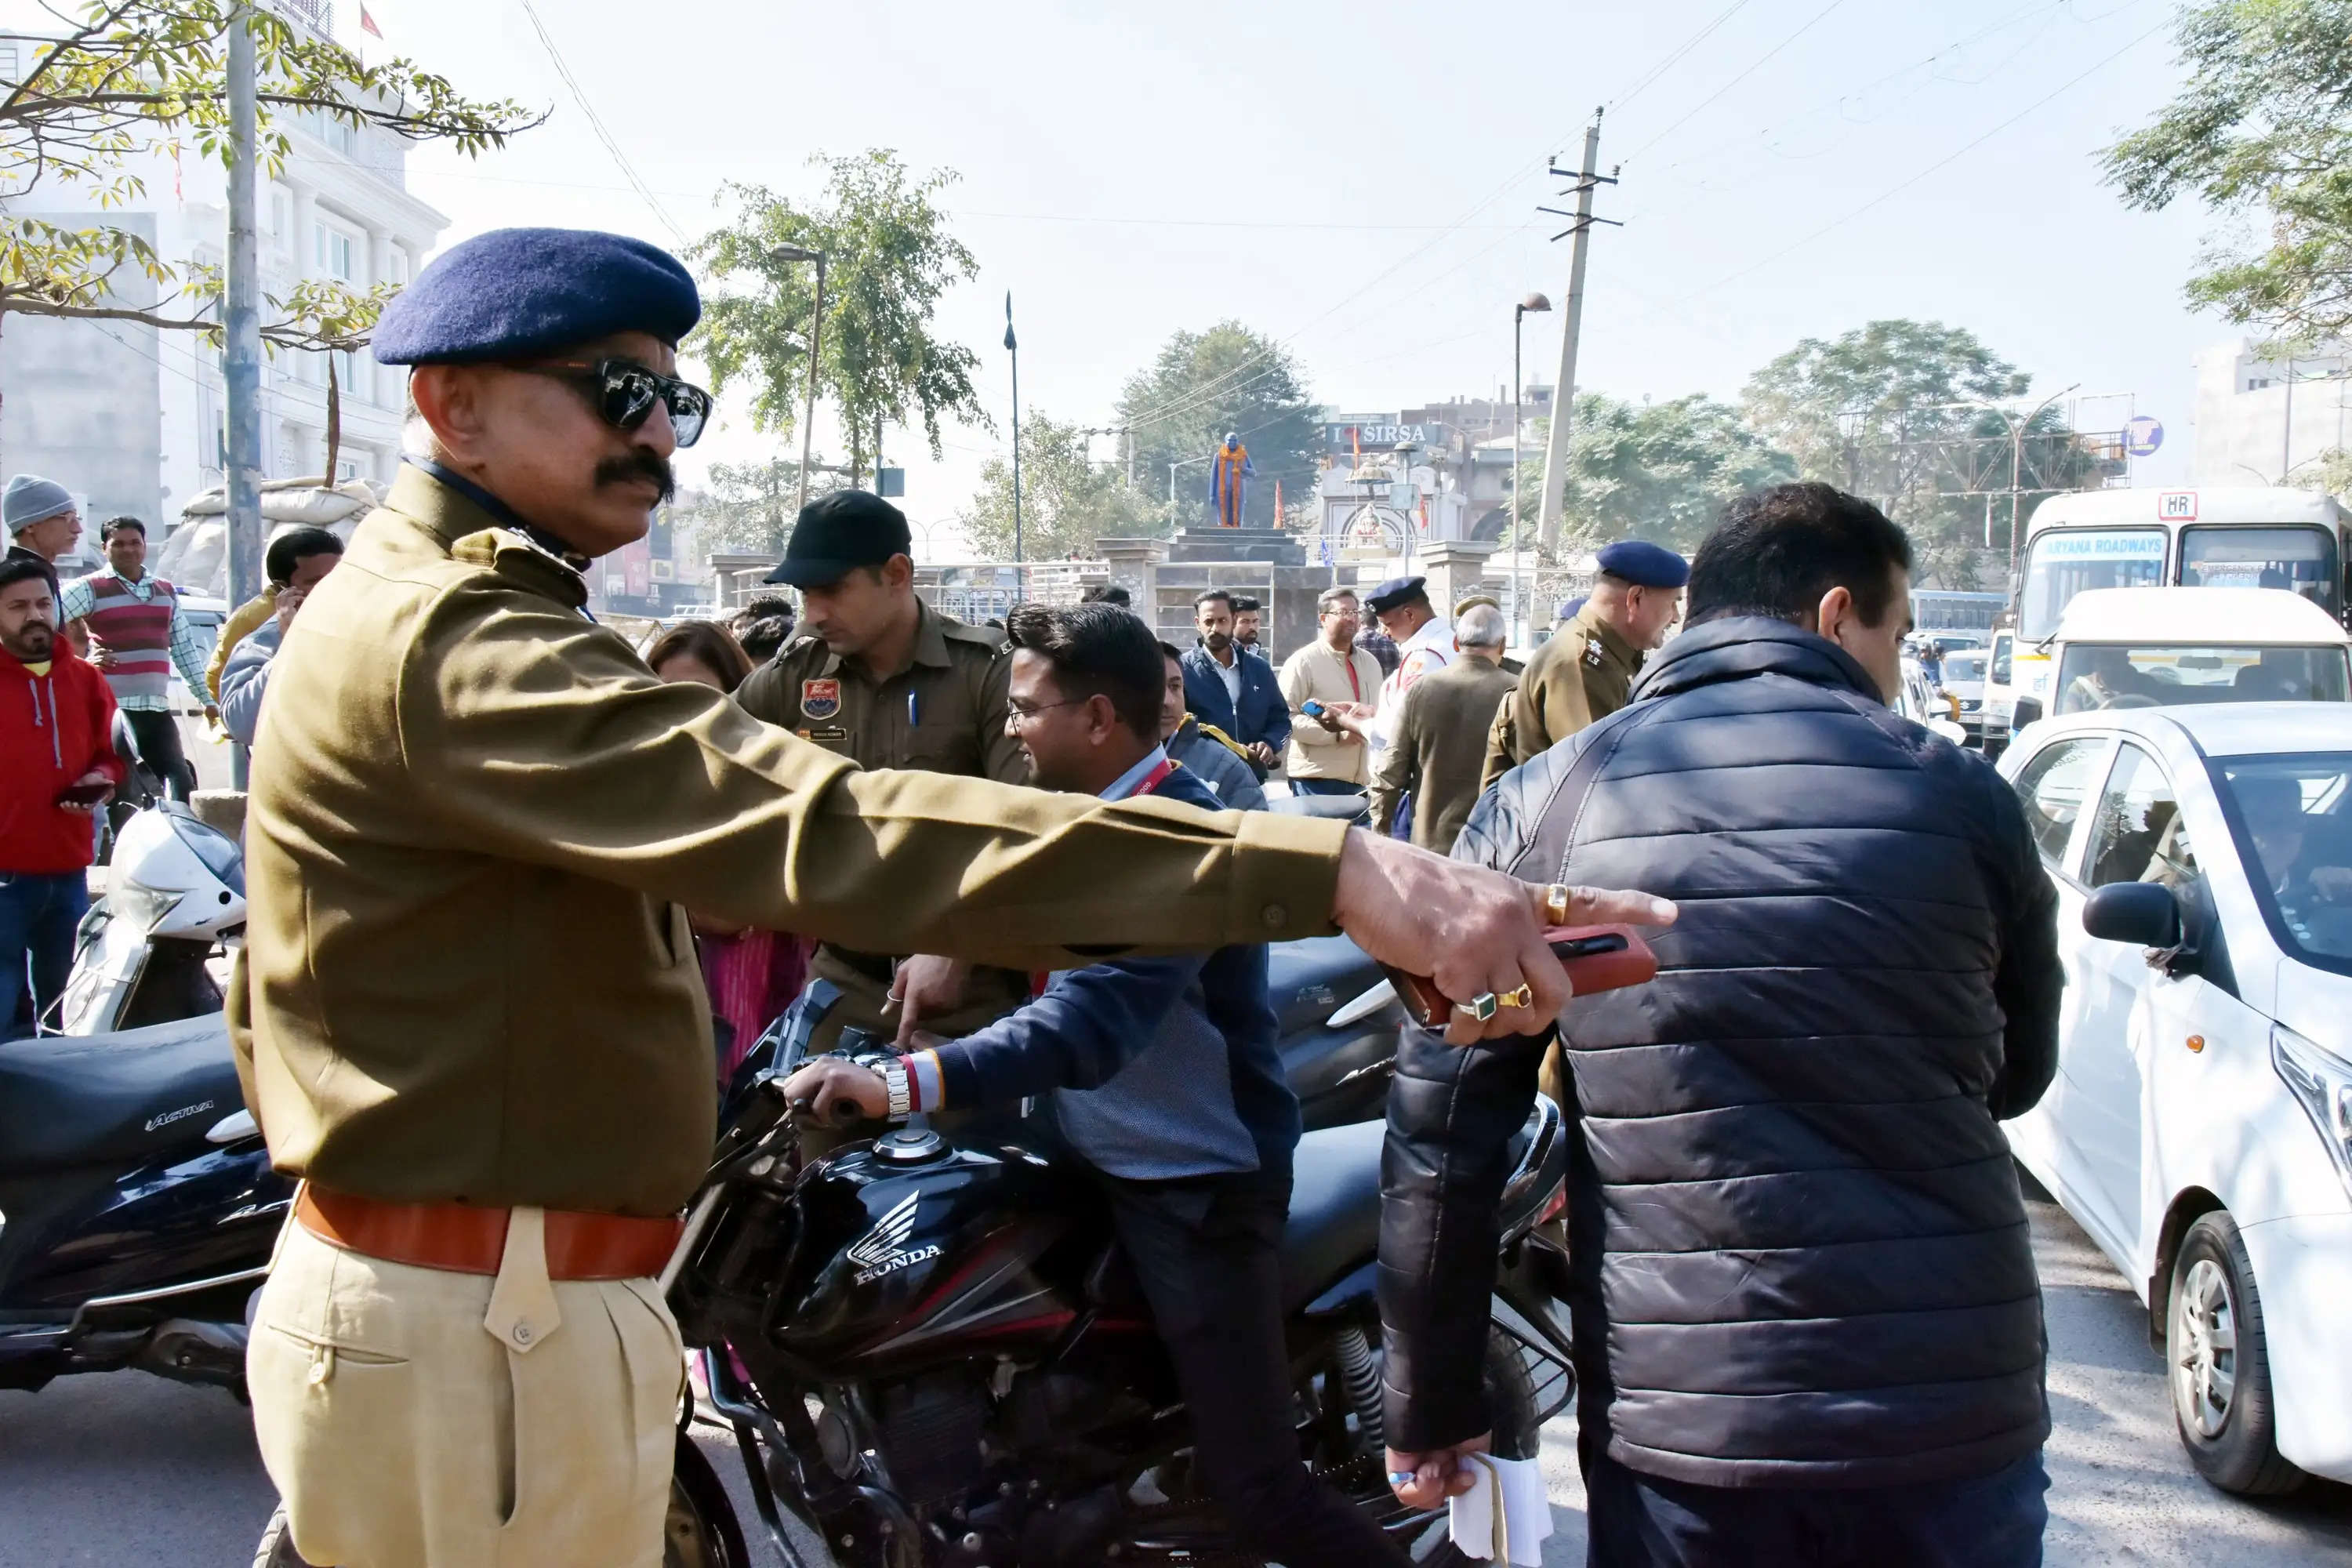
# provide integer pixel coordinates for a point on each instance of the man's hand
(1470, 930)
(101, 656)
(830, 1081)
(1436, 1475)
(288, 601)
(1354, 718)
(95, 776)
(1262, 754)
(212, 712)
(926, 986)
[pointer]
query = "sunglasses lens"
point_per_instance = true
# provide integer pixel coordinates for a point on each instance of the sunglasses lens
(628, 397)
(689, 407)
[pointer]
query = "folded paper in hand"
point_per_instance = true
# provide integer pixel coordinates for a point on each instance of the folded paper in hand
(1505, 1515)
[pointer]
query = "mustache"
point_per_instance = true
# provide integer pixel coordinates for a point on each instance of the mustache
(636, 466)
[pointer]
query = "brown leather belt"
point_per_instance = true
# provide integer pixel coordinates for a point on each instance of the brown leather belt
(465, 1239)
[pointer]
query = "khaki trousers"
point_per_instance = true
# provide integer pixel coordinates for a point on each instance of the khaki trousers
(417, 1419)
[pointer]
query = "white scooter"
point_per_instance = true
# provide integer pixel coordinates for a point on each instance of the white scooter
(175, 899)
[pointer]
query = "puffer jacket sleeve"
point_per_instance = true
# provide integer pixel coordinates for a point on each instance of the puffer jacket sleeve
(1451, 1113)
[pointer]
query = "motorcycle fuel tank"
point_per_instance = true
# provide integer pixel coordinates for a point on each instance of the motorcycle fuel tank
(911, 1251)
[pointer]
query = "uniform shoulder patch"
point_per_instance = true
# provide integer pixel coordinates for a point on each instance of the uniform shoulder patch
(1594, 652)
(820, 697)
(512, 557)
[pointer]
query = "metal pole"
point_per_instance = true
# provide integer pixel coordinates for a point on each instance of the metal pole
(808, 405)
(2286, 437)
(1130, 456)
(1563, 400)
(1017, 555)
(1511, 513)
(241, 361)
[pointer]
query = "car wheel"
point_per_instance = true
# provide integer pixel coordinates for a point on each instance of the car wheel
(2218, 1364)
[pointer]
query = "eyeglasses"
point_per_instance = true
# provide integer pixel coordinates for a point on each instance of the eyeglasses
(624, 392)
(1016, 714)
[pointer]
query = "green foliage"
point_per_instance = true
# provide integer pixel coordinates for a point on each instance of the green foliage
(1659, 471)
(1202, 385)
(1897, 411)
(1067, 500)
(139, 77)
(2260, 129)
(748, 508)
(890, 257)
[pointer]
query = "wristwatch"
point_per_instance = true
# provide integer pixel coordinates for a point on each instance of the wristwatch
(894, 1078)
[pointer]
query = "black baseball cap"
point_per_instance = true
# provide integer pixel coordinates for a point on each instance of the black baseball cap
(837, 533)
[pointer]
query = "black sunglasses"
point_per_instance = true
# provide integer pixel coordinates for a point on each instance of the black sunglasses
(625, 393)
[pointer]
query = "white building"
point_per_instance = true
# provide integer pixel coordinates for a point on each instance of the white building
(133, 419)
(2260, 421)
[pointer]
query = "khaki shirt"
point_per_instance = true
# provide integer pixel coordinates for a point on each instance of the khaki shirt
(475, 824)
(1438, 747)
(1586, 672)
(944, 712)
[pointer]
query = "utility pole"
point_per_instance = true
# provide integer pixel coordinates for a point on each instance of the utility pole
(1013, 347)
(241, 359)
(1563, 397)
(816, 343)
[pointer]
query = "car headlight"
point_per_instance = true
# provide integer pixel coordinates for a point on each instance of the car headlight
(143, 906)
(2322, 1084)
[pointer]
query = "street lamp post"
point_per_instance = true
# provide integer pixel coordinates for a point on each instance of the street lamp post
(2017, 429)
(1518, 391)
(1013, 347)
(816, 343)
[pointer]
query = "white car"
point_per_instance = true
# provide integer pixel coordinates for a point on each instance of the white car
(2200, 1128)
(1922, 704)
(1964, 683)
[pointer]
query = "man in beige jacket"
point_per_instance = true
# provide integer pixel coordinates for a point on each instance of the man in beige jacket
(1339, 677)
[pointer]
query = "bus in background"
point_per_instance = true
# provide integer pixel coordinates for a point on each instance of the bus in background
(1951, 619)
(2234, 537)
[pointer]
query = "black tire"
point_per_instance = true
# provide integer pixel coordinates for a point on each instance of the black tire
(2216, 1363)
(701, 1531)
(276, 1548)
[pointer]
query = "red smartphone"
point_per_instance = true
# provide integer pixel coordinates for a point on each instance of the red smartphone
(1597, 957)
(85, 793)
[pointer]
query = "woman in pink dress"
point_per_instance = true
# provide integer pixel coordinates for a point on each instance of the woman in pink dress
(752, 975)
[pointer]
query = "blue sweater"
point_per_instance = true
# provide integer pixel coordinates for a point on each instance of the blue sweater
(1160, 1068)
(1265, 714)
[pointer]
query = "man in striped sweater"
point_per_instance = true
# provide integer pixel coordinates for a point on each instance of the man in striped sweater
(138, 636)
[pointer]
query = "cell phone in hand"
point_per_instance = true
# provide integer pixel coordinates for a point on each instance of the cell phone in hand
(85, 793)
(1313, 709)
(1596, 958)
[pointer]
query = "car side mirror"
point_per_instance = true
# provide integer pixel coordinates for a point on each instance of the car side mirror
(2144, 914)
(2027, 712)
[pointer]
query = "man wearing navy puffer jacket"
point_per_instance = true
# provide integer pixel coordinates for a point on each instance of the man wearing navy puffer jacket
(1807, 1324)
(57, 765)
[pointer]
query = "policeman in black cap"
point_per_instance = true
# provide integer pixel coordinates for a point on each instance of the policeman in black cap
(1586, 671)
(879, 677)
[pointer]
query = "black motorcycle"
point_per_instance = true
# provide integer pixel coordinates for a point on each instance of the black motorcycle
(137, 1209)
(932, 1354)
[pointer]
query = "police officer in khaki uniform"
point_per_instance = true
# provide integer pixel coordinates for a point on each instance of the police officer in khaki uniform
(1586, 671)
(468, 1011)
(882, 679)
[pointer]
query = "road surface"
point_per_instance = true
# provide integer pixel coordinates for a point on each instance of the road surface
(129, 1471)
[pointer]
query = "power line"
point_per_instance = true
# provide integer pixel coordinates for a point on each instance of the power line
(1651, 77)
(596, 124)
(1936, 167)
(1760, 63)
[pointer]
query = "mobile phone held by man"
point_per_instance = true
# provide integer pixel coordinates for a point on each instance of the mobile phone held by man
(85, 792)
(1595, 958)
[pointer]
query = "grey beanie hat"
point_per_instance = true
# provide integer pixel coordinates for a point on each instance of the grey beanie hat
(30, 499)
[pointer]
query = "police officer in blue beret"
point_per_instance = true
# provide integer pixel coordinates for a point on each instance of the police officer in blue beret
(467, 1012)
(1586, 670)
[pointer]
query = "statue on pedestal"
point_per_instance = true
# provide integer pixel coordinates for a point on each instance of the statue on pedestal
(1229, 475)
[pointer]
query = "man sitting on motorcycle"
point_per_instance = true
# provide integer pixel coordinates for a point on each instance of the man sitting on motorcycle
(1163, 1077)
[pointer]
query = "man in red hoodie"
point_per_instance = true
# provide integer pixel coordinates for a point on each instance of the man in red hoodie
(57, 765)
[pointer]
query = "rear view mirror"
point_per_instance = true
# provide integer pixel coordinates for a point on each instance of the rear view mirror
(2144, 914)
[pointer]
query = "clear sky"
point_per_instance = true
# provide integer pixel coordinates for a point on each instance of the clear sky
(1360, 180)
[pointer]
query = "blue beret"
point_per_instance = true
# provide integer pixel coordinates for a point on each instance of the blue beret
(1394, 592)
(513, 293)
(1643, 564)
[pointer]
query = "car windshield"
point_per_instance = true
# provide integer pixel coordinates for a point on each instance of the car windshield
(2160, 675)
(2294, 829)
(2066, 561)
(1958, 667)
(2299, 559)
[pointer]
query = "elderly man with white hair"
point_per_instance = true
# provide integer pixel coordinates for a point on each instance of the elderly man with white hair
(1437, 744)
